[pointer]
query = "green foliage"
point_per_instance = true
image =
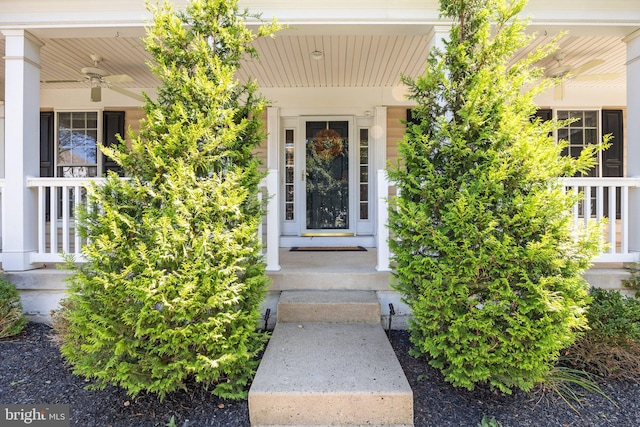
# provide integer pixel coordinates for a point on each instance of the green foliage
(174, 276)
(489, 422)
(611, 346)
(633, 282)
(485, 252)
(12, 319)
(612, 314)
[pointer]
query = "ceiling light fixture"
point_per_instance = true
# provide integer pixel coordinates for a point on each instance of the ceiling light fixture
(317, 55)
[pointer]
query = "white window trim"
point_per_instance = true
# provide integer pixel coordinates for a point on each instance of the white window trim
(99, 156)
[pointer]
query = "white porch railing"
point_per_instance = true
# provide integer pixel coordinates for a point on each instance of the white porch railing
(594, 191)
(57, 201)
(607, 198)
(58, 198)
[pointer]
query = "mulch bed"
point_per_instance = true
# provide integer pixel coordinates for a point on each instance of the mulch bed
(33, 372)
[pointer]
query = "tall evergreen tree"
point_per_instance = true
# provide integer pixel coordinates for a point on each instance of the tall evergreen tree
(486, 255)
(174, 276)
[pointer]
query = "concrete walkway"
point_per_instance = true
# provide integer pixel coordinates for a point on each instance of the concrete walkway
(329, 363)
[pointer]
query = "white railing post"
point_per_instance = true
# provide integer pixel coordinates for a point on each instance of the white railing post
(273, 222)
(382, 231)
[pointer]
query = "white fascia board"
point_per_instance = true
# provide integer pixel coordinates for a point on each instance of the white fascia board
(122, 13)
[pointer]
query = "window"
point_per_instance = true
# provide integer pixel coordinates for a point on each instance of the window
(581, 133)
(77, 151)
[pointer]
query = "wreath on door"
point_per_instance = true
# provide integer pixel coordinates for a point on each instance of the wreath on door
(327, 144)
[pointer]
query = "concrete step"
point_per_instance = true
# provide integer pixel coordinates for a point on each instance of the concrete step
(331, 280)
(329, 306)
(608, 278)
(326, 374)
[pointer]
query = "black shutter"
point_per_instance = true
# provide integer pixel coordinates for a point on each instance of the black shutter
(112, 124)
(47, 154)
(545, 114)
(613, 157)
(46, 145)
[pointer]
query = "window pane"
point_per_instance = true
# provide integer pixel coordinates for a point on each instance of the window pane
(576, 137)
(563, 115)
(364, 154)
(364, 211)
(78, 121)
(364, 136)
(64, 120)
(590, 136)
(576, 115)
(575, 151)
(364, 174)
(591, 119)
(364, 192)
(563, 134)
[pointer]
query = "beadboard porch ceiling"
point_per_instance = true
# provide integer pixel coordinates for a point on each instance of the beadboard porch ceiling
(352, 56)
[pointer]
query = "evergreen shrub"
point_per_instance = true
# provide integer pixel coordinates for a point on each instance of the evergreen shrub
(174, 278)
(484, 246)
(12, 319)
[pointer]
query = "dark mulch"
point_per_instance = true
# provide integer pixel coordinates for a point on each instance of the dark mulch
(32, 372)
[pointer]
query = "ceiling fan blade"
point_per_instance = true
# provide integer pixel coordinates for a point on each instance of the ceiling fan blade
(584, 67)
(118, 78)
(128, 93)
(96, 94)
(596, 77)
(61, 81)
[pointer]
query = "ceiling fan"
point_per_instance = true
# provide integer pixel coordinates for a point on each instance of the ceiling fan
(99, 78)
(575, 73)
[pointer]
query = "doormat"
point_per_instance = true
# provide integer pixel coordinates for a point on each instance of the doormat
(328, 249)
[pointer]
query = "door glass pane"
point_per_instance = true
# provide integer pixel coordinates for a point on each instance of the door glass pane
(289, 165)
(327, 175)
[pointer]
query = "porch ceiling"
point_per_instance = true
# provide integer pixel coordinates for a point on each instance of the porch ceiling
(357, 56)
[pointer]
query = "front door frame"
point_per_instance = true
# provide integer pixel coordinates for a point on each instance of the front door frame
(287, 231)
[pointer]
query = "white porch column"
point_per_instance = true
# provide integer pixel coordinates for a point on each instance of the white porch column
(633, 135)
(379, 135)
(273, 189)
(22, 139)
(438, 35)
